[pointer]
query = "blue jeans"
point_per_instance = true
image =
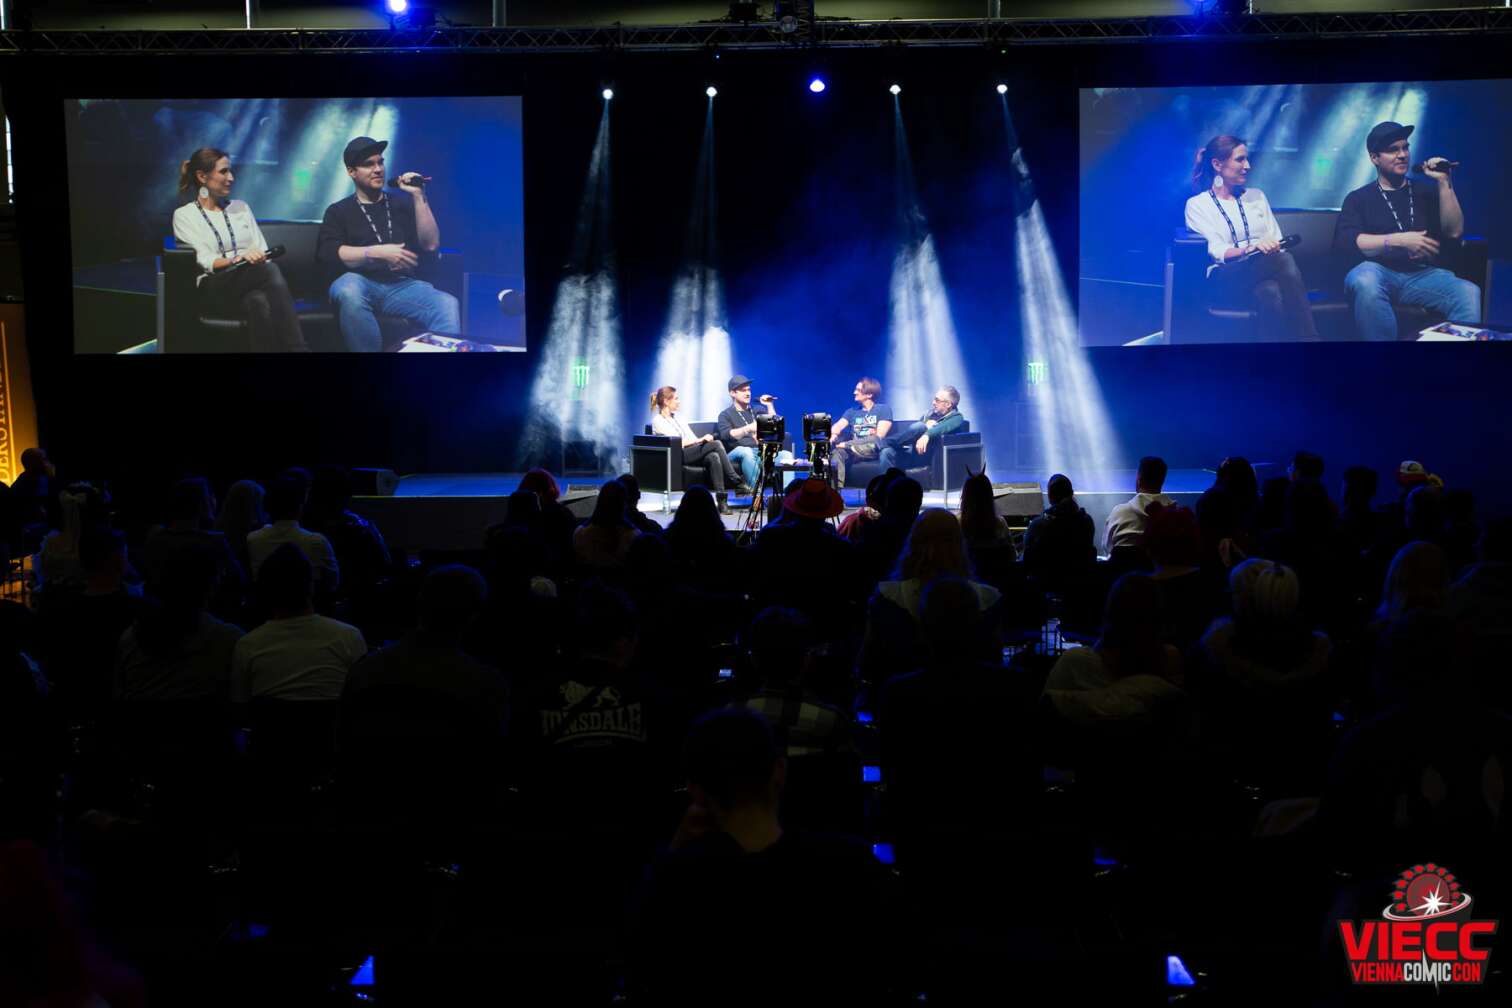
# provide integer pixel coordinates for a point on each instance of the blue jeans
(1374, 288)
(899, 450)
(359, 301)
(749, 461)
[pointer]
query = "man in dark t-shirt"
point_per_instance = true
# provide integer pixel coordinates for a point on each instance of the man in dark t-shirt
(869, 423)
(380, 245)
(737, 429)
(1399, 230)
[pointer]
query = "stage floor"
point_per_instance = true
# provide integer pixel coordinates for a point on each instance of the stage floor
(1115, 481)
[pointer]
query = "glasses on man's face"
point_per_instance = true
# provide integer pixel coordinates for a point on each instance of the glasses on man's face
(942, 402)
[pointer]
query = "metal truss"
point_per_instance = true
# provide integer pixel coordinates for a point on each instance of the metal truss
(768, 35)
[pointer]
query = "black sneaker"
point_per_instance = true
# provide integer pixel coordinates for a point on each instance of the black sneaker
(723, 500)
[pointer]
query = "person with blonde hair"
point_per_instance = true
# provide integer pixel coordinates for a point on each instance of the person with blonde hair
(706, 451)
(935, 549)
(236, 276)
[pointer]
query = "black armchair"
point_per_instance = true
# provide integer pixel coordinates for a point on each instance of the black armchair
(184, 329)
(656, 461)
(1191, 316)
(944, 465)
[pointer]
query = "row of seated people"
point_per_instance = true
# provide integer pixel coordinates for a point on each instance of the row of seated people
(548, 707)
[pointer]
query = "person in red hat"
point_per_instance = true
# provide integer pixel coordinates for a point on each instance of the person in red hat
(802, 562)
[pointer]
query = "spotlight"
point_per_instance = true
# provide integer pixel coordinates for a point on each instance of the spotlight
(608, 93)
(816, 85)
(398, 6)
(711, 91)
(895, 89)
(1002, 89)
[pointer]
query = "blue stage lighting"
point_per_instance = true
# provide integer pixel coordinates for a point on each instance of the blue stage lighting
(398, 6)
(608, 93)
(895, 89)
(816, 85)
(711, 91)
(1002, 89)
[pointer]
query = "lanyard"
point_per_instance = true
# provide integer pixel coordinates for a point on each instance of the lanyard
(1234, 235)
(219, 245)
(388, 220)
(1411, 207)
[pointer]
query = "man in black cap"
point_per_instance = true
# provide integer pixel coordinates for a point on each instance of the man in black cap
(737, 429)
(380, 244)
(1398, 229)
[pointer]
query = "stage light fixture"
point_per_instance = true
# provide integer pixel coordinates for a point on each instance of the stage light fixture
(895, 89)
(608, 93)
(398, 6)
(1002, 89)
(816, 85)
(711, 91)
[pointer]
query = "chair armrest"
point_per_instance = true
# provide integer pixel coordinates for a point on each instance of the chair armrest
(180, 298)
(656, 462)
(961, 438)
(446, 274)
(1473, 258)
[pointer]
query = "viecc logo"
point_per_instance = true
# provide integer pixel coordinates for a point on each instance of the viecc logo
(1425, 934)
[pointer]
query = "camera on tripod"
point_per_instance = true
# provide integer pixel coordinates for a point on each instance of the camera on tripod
(771, 429)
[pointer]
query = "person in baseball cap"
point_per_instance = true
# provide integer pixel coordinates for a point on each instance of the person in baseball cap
(737, 430)
(379, 245)
(1396, 228)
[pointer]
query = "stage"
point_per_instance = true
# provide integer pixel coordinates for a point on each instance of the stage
(449, 511)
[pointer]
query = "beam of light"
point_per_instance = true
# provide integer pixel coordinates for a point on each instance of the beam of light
(816, 85)
(608, 94)
(711, 91)
(1072, 425)
(923, 351)
(578, 393)
(1002, 89)
(695, 354)
(398, 6)
(895, 89)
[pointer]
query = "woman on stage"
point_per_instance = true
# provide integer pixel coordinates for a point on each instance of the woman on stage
(706, 451)
(1249, 266)
(236, 277)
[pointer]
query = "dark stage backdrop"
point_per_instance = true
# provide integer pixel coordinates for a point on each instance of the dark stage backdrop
(807, 234)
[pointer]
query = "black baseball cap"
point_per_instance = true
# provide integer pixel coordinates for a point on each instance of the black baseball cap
(360, 149)
(738, 382)
(1383, 135)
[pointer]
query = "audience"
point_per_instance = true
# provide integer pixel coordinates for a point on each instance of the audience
(727, 915)
(191, 512)
(1126, 522)
(1060, 545)
(1130, 673)
(296, 654)
(175, 650)
(241, 513)
(779, 643)
(642, 524)
(603, 542)
(286, 504)
(361, 554)
(982, 526)
(529, 726)
(80, 630)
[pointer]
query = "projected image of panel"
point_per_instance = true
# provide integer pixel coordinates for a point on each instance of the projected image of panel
(279, 225)
(1293, 212)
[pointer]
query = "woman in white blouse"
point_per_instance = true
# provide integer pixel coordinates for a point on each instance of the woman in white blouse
(1249, 267)
(236, 277)
(707, 451)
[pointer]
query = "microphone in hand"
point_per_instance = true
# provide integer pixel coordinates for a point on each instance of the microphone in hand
(415, 179)
(1437, 164)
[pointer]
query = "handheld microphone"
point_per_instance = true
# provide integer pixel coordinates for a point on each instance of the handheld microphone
(272, 253)
(766, 398)
(1439, 164)
(1290, 241)
(418, 180)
